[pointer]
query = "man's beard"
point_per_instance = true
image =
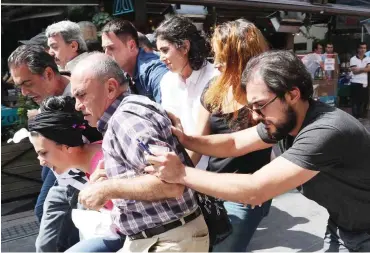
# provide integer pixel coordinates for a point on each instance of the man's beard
(283, 130)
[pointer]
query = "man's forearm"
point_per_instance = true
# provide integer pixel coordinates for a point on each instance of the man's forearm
(232, 187)
(367, 69)
(218, 145)
(226, 145)
(194, 156)
(361, 70)
(144, 188)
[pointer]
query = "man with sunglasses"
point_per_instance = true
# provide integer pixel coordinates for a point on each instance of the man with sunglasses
(325, 152)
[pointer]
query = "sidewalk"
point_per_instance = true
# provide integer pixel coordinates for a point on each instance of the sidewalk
(294, 224)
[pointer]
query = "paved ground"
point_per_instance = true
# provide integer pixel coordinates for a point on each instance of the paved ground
(294, 224)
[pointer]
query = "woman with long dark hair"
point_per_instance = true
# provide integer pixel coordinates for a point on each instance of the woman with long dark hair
(184, 50)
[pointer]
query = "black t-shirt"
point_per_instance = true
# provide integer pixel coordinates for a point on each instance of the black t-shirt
(338, 146)
(224, 123)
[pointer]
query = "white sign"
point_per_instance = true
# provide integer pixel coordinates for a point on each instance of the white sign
(329, 64)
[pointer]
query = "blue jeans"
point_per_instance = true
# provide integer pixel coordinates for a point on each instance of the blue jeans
(57, 231)
(338, 240)
(98, 245)
(245, 221)
(48, 179)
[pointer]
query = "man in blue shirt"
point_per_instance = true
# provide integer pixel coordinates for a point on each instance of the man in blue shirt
(120, 40)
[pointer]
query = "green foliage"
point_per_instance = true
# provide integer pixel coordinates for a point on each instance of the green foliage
(100, 19)
(24, 104)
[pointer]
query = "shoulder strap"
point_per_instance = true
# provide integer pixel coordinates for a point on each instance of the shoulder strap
(180, 147)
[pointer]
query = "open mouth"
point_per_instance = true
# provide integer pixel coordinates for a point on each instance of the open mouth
(35, 98)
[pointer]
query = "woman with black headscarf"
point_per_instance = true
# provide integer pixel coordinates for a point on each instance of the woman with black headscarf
(58, 134)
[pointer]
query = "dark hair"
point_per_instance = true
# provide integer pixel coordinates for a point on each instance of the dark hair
(315, 45)
(178, 29)
(35, 57)
(144, 41)
(281, 71)
(59, 103)
(61, 123)
(93, 46)
(121, 28)
(361, 44)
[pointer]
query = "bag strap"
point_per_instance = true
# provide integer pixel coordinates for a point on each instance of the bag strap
(179, 146)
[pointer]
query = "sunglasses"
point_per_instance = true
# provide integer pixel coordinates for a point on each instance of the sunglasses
(258, 110)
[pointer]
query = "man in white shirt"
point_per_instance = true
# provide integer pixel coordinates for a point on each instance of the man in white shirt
(314, 60)
(329, 53)
(360, 67)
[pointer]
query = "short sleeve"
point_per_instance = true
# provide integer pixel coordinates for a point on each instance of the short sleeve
(155, 77)
(262, 132)
(368, 61)
(320, 59)
(317, 148)
(352, 62)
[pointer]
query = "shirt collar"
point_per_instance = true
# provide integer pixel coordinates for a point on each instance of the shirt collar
(138, 62)
(72, 63)
(358, 57)
(103, 121)
(67, 90)
(193, 78)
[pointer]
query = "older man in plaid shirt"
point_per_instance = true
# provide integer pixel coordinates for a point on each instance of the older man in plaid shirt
(154, 215)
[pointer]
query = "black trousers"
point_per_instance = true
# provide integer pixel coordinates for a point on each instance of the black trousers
(359, 100)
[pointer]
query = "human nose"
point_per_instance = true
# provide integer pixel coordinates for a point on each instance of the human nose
(51, 52)
(42, 161)
(78, 105)
(24, 91)
(256, 115)
(162, 56)
(108, 52)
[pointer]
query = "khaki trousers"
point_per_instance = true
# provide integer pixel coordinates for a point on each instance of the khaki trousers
(191, 237)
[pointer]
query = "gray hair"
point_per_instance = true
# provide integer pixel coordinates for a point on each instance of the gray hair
(103, 66)
(70, 31)
(88, 30)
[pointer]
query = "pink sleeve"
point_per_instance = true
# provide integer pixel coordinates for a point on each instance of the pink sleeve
(95, 160)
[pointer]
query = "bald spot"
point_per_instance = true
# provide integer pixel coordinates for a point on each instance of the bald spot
(87, 65)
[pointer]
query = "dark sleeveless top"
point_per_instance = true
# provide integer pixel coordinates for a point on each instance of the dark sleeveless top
(224, 123)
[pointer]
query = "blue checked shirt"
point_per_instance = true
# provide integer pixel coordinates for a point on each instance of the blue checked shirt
(122, 123)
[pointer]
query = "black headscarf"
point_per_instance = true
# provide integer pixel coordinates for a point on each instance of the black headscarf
(61, 127)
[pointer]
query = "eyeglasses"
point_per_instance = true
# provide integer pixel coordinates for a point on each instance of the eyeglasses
(259, 109)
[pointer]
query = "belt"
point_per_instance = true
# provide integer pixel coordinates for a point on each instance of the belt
(150, 232)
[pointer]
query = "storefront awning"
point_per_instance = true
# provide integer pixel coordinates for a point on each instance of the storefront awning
(50, 2)
(288, 5)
